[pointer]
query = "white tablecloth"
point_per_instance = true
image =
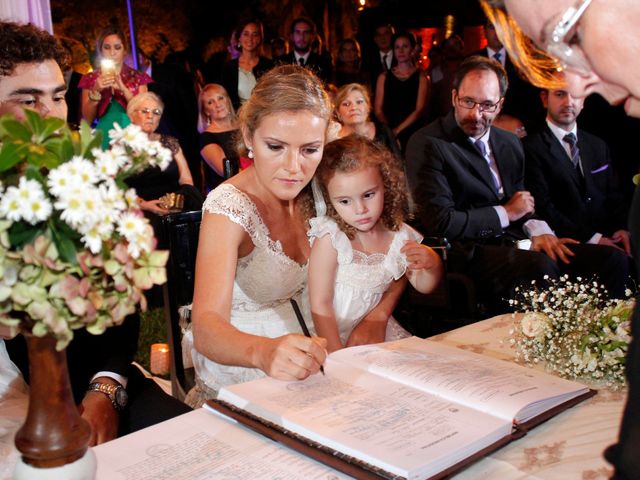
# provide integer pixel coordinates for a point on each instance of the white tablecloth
(567, 447)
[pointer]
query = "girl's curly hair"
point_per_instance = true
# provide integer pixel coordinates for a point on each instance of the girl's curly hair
(354, 152)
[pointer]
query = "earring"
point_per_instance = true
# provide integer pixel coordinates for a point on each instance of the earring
(250, 154)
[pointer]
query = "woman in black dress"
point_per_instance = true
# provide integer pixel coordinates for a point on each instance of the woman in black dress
(218, 128)
(401, 93)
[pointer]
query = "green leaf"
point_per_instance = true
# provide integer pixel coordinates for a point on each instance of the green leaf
(88, 139)
(62, 147)
(16, 130)
(64, 243)
(34, 121)
(11, 154)
(51, 125)
(33, 173)
(22, 233)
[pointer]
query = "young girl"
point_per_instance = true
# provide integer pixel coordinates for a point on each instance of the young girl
(360, 243)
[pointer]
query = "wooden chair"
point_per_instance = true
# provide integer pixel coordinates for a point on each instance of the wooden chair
(181, 231)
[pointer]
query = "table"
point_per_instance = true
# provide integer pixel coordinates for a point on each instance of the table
(569, 446)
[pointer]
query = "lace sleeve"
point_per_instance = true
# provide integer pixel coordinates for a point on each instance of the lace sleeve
(396, 262)
(321, 226)
(232, 203)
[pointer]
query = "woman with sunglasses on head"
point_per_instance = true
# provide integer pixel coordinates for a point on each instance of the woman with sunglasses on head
(596, 44)
(107, 90)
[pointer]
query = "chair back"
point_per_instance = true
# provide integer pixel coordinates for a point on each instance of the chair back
(181, 231)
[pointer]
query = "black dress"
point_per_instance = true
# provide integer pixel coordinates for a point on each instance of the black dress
(226, 141)
(399, 101)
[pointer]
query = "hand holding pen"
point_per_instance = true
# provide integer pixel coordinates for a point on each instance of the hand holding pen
(302, 323)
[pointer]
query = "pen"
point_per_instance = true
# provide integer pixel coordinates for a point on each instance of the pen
(303, 325)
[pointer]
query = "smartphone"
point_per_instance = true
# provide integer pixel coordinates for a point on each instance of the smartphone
(107, 66)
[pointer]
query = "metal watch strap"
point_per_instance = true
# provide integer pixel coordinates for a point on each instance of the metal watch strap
(109, 390)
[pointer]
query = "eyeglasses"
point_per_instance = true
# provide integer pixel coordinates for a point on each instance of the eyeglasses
(567, 51)
(469, 104)
(146, 111)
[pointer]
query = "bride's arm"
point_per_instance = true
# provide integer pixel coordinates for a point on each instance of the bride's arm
(288, 357)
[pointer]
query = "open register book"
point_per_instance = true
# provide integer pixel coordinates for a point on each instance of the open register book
(411, 409)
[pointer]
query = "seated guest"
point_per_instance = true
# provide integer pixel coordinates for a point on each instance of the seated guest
(254, 251)
(31, 77)
(145, 110)
(468, 184)
(349, 64)
(569, 172)
(353, 111)
(218, 125)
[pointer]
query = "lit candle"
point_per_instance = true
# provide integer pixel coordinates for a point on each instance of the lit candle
(159, 359)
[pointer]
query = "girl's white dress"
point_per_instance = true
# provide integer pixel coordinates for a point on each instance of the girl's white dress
(362, 279)
(265, 281)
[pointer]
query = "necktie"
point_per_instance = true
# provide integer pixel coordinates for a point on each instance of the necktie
(482, 148)
(498, 56)
(301, 61)
(384, 61)
(571, 139)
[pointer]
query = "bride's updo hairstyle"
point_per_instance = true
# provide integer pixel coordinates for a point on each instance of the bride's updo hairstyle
(285, 88)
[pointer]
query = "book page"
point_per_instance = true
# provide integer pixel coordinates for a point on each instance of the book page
(202, 446)
(498, 387)
(393, 427)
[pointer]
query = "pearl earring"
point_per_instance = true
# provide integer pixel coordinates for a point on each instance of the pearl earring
(250, 154)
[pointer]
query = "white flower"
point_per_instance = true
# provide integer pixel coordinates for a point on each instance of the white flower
(131, 136)
(26, 202)
(533, 324)
(109, 162)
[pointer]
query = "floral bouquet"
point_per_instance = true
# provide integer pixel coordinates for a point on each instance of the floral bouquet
(574, 330)
(75, 250)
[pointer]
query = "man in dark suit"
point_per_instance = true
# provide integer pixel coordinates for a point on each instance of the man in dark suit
(379, 59)
(303, 32)
(578, 195)
(521, 99)
(468, 185)
(100, 366)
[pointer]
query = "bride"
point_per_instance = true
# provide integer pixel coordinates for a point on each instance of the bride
(253, 250)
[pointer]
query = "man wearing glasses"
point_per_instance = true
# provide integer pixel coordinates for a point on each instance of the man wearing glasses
(468, 184)
(578, 36)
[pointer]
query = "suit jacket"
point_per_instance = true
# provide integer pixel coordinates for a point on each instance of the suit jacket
(320, 64)
(452, 184)
(574, 208)
(230, 76)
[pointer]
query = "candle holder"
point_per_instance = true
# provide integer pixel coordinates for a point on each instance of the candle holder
(159, 359)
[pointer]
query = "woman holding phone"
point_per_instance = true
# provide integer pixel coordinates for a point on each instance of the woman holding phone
(107, 90)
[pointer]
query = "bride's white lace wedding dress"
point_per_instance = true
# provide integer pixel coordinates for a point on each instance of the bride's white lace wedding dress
(265, 281)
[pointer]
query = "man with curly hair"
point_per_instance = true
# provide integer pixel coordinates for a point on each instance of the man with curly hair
(100, 366)
(30, 71)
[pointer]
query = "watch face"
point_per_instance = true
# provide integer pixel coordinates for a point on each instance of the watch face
(121, 397)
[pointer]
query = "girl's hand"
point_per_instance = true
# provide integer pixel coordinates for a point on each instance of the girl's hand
(419, 257)
(292, 357)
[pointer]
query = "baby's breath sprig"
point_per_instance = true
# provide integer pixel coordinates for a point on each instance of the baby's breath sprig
(574, 329)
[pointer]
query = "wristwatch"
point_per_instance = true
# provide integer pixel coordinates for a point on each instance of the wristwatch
(95, 96)
(116, 393)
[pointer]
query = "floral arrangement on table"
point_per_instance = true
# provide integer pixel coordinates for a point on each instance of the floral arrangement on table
(573, 329)
(75, 250)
